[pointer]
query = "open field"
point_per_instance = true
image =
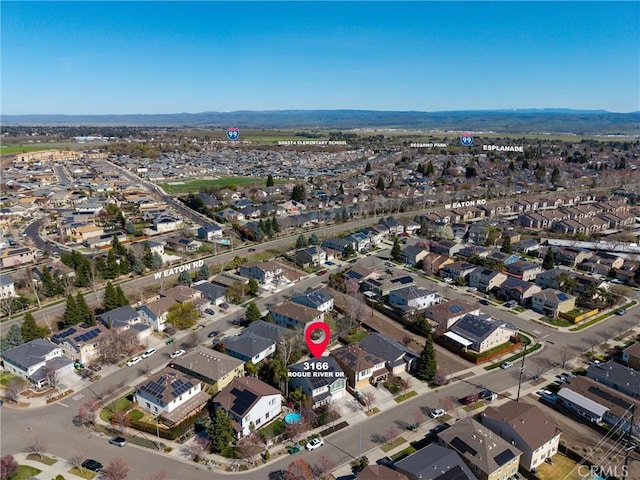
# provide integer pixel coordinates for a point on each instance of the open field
(13, 149)
(195, 185)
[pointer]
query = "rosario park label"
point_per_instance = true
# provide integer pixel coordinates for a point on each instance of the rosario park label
(179, 269)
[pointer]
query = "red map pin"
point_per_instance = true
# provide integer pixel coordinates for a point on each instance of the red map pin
(317, 346)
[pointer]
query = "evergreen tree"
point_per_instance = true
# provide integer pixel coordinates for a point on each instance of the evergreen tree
(549, 260)
(117, 247)
(313, 239)
(112, 268)
(344, 214)
(253, 286)
(72, 315)
(506, 245)
(156, 261)
(380, 185)
(396, 250)
(341, 189)
(124, 266)
(30, 330)
(427, 366)
(13, 338)
(147, 256)
(367, 167)
(349, 251)
(301, 242)
(121, 298)
(50, 287)
(204, 271)
(220, 431)
(430, 169)
(83, 273)
(299, 193)
(110, 299)
(270, 181)
(85, 313)
(275, 225)
(184, 278)
(253, 313)
(555, 175)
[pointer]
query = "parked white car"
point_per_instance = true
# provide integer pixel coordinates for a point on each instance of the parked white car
(506, 365)
(133, 361)
(147, 353)
(315, 443)
(177, 353)
(437, 413)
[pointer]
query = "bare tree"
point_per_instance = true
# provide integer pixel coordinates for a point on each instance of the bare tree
(322, 468)
(37, 446)
(157, 476)
(87, 413)
(368, 399)
(196, 448)
(33, 285)
(293, 431)
(50, 374)
(14, 388)
(190, 341)
(250, 447)
(76, 459)
(95, 278)
(120, 421)
(116, 346)
(406, 340)
(116, 469)
(565, 354)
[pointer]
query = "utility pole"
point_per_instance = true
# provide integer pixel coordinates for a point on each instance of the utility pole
(524, 354)
(629, 447)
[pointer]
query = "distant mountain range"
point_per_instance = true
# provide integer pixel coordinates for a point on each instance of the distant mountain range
(580, 122)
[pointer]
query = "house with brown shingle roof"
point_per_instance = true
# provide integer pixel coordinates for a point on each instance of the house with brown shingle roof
(360, 366)
(527, 427)
(291, 314)
(250, 403)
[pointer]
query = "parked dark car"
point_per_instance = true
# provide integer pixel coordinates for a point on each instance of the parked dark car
(484, 301)
(92, 465)
(469, 399)
(387, 462)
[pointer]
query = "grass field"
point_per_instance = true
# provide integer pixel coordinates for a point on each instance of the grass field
(12, 149)
(25, 472)
(196, 184)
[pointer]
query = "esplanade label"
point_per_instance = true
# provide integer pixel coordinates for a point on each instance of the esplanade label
(503, 148)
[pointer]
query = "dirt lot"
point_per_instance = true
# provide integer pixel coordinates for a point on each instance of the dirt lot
(583, 440)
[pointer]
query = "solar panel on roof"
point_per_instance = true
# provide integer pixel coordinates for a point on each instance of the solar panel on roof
(504, 457)
(563, 296)
(455, 308)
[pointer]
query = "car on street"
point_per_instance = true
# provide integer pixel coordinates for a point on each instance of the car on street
(488, 395)
(147, 353)
(92, 465)
(448, 280)
(177, 353)
(133, 361)
(322, 272)
(329, 263)
(540, 393)
(506, 365)
(315, 443)
(210, 311)
(119, 441)
(469, 399)
(437, 413)
(484, 301)
(252, 249)
(213, 333)
(621, 311)
(472, 289)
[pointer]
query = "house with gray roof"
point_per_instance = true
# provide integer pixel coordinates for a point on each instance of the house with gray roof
(486, 279)
(325, 384)
(519, 290)
(616, 376)
(295, 315)
(215, 294)
(445, 314)
(312, 255)
(248, 347)
(319, 298)
(485, 453)
(412, 255)
(268, 330)
(119, 318)
(27, 359)
(413, 298)
(214, 368)
(480, 333)
(7, 287)
(398, 358)
(337, 244)
(434, 462)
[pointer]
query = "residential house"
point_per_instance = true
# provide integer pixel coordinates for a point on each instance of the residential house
(268, 330)
(458, 270)
(250, 403)
(445, 314)
(413, 297)
(171, 395)
(361, 242)
(359, 365)
(182, 244)
(518, 290)
(384, 286)
(522, 270)
(247, 347)
(337, 244)
(210, 366)
(228, 279)
(119, 318)
(485, 279)
(446, 248)
(319, 298)
(433, 462)
(7, 287)
(535, 433)
(295, 315)
(503, 258)
(215, 294)
(380, 472)
(81, 233)
(618, 405)
(413, 255)
(17, 256)
(551, 302)
(581, 405)
(230, 215)
(155, 313)
(571, 256)
(165, 223)
(80, 344)
(210, 232)
(487, 455)
(312, 255)
(398, 358)
(553, 278)
(263, 272)
(359, 274)
(28, 359)
(616, 376)
(327, 383)
(480, 333)
(433, 262)
(631, 356)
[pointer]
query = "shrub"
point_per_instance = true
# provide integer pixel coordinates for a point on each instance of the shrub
(266, 455)
(8, 466)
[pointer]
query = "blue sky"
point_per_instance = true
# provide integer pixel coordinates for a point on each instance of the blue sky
(166, 57)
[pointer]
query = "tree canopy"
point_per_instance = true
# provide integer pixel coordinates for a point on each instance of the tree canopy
(183, 315)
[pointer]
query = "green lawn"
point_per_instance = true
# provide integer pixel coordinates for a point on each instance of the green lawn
(395, 443)
(5, 377)
(405, 396)
(194, 185)
(25, 472)
(403, 453)
(11, 149)
(83, 472)
(46, 460)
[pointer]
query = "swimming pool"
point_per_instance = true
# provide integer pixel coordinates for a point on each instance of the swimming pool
(293, 417)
